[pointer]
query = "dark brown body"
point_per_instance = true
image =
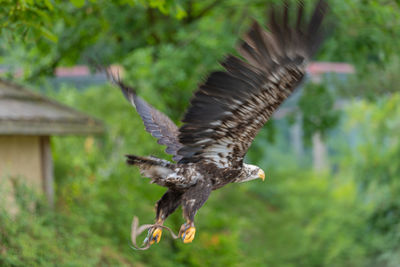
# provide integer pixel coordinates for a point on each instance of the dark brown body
(193, 197)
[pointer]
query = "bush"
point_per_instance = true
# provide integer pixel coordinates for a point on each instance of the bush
(296, 218)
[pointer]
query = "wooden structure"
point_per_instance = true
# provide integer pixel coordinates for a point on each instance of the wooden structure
(27, 120)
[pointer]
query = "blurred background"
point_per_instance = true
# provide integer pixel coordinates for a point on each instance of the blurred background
(331, 153)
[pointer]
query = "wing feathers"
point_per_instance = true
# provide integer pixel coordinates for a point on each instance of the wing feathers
(230, 107)
(155, 122)
(314, 34)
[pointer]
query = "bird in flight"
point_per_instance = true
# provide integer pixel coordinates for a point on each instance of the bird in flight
(225, 115)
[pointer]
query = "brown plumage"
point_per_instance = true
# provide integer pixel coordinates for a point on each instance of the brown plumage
(225, 115)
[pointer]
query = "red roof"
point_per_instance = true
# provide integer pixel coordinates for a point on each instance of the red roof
(314, 68)
(72, 71)
(317, 68)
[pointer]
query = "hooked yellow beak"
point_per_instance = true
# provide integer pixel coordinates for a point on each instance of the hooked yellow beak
(261, 174)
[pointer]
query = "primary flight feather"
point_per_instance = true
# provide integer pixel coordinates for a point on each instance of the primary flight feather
(225, 115)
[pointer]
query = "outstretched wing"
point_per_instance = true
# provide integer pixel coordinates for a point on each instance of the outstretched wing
(229, 109)
(155, 122)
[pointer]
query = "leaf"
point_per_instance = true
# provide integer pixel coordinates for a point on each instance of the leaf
(45, 32)
(49, 4)
(78, 3)
(48, 34)
(180, 12)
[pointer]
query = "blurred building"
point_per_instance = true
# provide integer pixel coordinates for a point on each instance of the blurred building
(27, 122)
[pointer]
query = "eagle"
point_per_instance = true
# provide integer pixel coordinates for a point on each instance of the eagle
(225, 114)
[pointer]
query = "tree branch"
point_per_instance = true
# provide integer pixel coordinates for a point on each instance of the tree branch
(191, 18)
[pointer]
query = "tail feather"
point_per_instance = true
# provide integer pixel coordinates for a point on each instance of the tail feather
(138, 160)
(151, 167)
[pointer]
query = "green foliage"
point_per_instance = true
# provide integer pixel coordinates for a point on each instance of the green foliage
(365, 32)
(319, 114)
(297, 218)
(377, 171)
(38, 237)
(378, 81)
(72, 30)
(27, 19)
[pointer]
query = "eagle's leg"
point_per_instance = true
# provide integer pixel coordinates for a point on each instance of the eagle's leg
(168, 203)
(192, 200)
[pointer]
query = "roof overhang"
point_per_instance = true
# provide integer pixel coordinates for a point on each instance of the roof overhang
(23, 112)
(21, 127)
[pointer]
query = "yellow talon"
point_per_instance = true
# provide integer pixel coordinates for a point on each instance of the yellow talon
(156, 236)
(188, 235)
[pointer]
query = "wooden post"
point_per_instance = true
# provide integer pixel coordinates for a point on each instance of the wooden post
(296, 136)
(319, 152)
(47, 169)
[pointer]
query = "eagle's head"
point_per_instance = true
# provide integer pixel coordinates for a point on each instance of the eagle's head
(250, 172)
